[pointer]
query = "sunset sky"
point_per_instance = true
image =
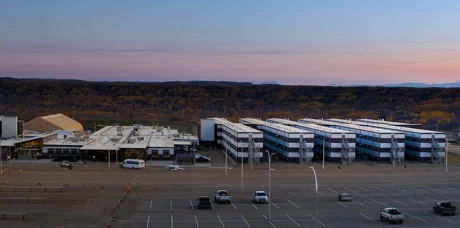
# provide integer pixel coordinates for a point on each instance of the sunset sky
(296, 42)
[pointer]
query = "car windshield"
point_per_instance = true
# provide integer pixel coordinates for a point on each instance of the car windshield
(446, 204)
(204, 199)
(223, 193)
(261, 194)
(394, 212)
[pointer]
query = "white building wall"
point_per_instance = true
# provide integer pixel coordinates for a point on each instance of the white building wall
(9, 126)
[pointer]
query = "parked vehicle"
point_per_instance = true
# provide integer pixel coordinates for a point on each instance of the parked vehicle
(222, 196)
(444, 208)
(391, 214)
(344, 196)
(133, 163)
(260, 197)
(65, 163)
(174, 167)
(202, 158)
(204, 202)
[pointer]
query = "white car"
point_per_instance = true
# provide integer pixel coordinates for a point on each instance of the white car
(260, 197)
(64, 164)
(174, 167)
(391, 214)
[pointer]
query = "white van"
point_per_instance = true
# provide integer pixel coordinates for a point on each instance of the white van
(133, 163)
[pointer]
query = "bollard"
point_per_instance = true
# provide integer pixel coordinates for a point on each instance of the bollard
(338, 167)
(405, 166)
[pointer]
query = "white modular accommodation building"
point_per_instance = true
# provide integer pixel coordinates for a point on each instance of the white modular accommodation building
(289, 143)
(242, 142)
(211, 130)
(419, 144)
(337, 144)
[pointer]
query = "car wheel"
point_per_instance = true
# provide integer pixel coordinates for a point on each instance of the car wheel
(389, 221)
(381, 218)
(442, 213)
(401, 222)
(340, 198)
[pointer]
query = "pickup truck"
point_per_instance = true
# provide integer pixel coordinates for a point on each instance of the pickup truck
(222, 196)
(204, 202)
(344, 196)
(444, 208)
(260, 197)
(391, 214)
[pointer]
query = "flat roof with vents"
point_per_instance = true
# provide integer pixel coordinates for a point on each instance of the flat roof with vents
(310, 126)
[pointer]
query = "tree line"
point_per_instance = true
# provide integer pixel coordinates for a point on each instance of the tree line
(191, 101)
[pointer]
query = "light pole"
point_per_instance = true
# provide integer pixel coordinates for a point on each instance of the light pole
(1, 156)
(324, 144)
(269, 184)
(316, 203)
(242, 189)
(116, 159)
(226, 155)
(108, 148)
(447, 150)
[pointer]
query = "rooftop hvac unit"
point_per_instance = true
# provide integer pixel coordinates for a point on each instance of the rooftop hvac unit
(132, 140)
(119, 129)
(74, 139)
(119, 134)
(78, 133)
(140, 138)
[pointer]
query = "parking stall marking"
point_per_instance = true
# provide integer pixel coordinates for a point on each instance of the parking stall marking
(415, 217)
(269, 221)
(373, 220)
(418, 202)
(316, 220)
(340, 203)
(418, 190)
(170, 203)
(399, 189)
(148, 221)
(191, 204)
(253, 204)
(452, 199)
(293, 204)
(332, 191)
(381, 189)
(351, 191)
(364, 189)
(432, 199)
(360, 203)
(245, 221)
(437, 216)
(212, 205)
(398, 202)
(435, 189)
(452, 189)
(196, 221)
(292, 220)
(172, 222)
(379, 202)
(221, 221)
(151, 201)
(275, 205)
(316, 191)
(233, 205)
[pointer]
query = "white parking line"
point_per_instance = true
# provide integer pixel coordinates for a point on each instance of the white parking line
(191, 204)
(315, 191)
(351, 191)
(379, 202)
(245, 221)
(151, 204)
(439, 217)
(293, 220)
(418, 202)
(415, 217)
(172, 222)
(398, 202)
(317, 220)
(275, 205)
(293, 204)
(452, 199)
(253, 205)
(360, 203)
(381, 189)
(221, 221)
(148, 221)
(332, 191)
(340, 203)
(212, 205)
(432, 199)
(233, 205)
(435, 189)
(370, 219)
(418, 190)
(364, 189)
(170, 203)
(399, 189)
(196, 221)
(452, 189)
(269, 221)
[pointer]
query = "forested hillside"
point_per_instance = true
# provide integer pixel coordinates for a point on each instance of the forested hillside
(188, 102)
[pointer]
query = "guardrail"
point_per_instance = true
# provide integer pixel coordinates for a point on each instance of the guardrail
(16, 188)
(11, 199)
(5, 214)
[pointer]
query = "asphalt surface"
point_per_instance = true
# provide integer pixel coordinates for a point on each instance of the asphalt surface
(93, 196)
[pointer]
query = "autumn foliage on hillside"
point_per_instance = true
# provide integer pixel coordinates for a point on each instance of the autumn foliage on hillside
(188, 102)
